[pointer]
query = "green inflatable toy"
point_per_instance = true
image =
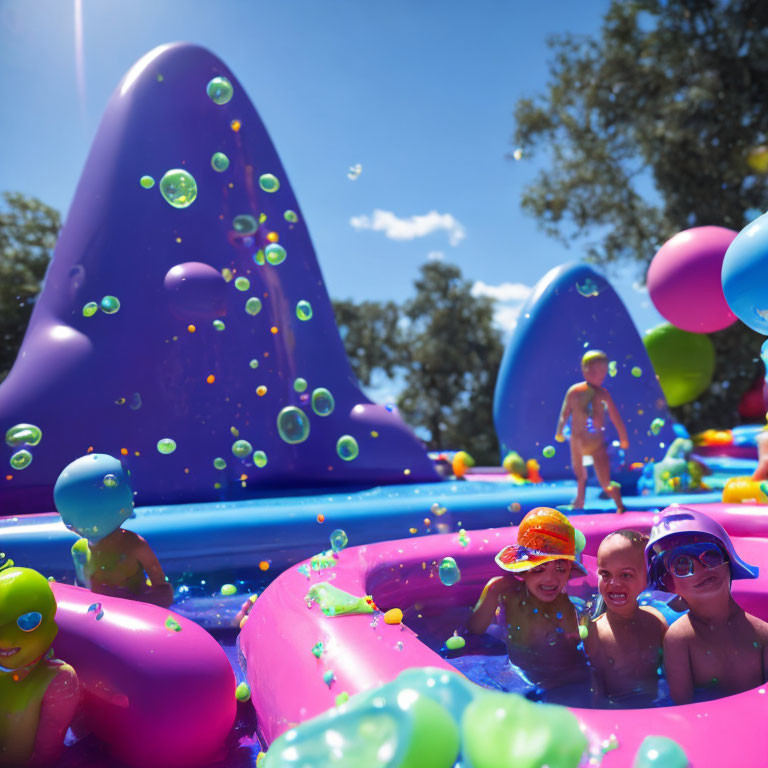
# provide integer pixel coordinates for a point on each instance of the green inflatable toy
(683, 361)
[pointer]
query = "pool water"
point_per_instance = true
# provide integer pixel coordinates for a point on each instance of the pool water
(485, 661)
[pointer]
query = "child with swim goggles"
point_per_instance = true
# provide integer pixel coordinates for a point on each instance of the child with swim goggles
(540, 622)
(624, 644)
(716, 649)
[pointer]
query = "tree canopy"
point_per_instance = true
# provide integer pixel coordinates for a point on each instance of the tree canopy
(28, 232)
(650, 128)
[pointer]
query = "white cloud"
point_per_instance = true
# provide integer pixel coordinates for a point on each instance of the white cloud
(517, 292)
(435, 256)
(509, 298)
(396, 228)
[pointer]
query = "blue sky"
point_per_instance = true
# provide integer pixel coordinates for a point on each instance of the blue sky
(420, 93)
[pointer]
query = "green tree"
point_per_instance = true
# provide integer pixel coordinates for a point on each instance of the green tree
(28, 233)
(371, 336)
(443, 345)
(453, 353)
(648, 129)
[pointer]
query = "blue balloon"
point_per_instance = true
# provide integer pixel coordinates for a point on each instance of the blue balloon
(745, 275)
(87, 504)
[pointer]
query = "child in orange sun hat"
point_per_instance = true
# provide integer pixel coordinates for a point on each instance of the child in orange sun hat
(542, 631)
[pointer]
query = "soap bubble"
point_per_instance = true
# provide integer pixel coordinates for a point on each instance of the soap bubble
(339, 540)
(226, 273)
(178, 188)
(253, 307)
(219, 325)
(304, 310)
(110, 481)
(258, 257)
(656, 426)
(219, 162)
(293, 425)
(275, 254)
(21, 459)
(254, 363)
(291, 216)
(260, 459)
(354, 171)
(242, 448)
(347, 447)
(300, 385)
(322, 402)
(448, 571)
(147, 182)
(90, 309)
(636, 372)
(548, 452)
(269, 182)
(242, 283)
(228, 590)
(245, 224)
(219, 90)
(219, 463)
(166, 445)
(23, 434)
(110, 305)
(612, 368)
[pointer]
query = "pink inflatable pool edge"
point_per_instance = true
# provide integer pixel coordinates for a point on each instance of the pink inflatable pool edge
(156, 688)
(287, 682)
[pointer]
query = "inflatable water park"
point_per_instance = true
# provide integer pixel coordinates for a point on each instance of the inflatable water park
(218, 551)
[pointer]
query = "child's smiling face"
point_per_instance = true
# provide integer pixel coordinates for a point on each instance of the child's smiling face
(547, 581)
(621, 574)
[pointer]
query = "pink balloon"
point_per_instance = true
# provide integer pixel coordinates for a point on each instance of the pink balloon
(684, 279)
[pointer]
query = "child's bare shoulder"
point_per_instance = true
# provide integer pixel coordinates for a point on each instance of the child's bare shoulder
(681, 632)
(131, 540)
(760, 626)
(510, 586)
(653, 619)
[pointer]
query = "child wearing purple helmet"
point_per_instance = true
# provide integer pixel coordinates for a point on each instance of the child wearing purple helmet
(716, 649)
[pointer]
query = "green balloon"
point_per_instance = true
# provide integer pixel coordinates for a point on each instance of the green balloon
(683, 361)
(503, 730)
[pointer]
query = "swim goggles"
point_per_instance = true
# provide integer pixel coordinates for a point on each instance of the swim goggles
(679, 561)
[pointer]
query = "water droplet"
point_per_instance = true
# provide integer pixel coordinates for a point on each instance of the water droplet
(166, 445)
(242, 448)
(23, 434)
(269, 183)
(293, 425)
(178, 188)
(219, 463)
(448, 571)
(21, 459)
(304, 310)
(253, 307)
(245, 224)
(275, 254)
(347, 448)
(260, 459)
(110, 305)
(300, 385)
(291, 216)
(242, 283)
(147, 182)
(322, 402)
(219, 90)
(339, 540)
(219, 162)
